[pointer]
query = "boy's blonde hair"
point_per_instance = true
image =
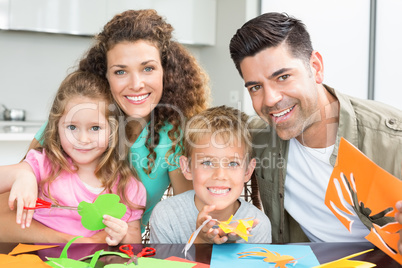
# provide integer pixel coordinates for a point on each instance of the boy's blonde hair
(225, 122)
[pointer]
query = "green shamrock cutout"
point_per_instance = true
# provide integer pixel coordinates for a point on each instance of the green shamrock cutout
(106, 204)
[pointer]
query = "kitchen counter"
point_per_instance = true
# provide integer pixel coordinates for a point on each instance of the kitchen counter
(19, 130)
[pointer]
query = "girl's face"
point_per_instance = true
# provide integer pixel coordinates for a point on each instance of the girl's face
(84, 130)
(135, 75)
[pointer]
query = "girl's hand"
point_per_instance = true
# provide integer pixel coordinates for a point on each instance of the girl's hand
(25, 191)
(116, 230)
(207, 233)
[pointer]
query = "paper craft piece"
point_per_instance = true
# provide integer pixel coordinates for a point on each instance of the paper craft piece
(262, 255)
(64, 261)
(22, 261)
(193, 236)
(241, 230)
(346, 263)
(152, 263)
(372, 192)
(197, 264)
(24, 248)
(106, 204)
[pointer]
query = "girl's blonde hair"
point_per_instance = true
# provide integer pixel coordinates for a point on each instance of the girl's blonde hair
(114, 167)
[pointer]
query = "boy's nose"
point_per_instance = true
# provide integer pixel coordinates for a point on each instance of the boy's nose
(219, 173)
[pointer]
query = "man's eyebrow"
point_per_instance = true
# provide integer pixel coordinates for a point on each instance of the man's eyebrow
(250, 83)
(273, 75)
(279, 72)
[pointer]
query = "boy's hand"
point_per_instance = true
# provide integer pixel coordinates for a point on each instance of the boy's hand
(116, 230)
(207, 233)
(233, 237)
(25, 192)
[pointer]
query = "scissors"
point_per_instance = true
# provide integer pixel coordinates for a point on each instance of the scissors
(45, 204)
(145, 252)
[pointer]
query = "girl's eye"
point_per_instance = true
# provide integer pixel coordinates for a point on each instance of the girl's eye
(255, 88)
(148, 69)
(95, 128)
(71, 127)
(283, 77)
(234, 164)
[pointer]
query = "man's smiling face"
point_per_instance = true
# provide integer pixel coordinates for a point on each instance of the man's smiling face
(282, 89)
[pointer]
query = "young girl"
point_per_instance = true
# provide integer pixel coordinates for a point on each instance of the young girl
(79, 160)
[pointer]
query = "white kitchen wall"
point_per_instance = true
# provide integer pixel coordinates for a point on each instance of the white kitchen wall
(339, 30)
(33, 64)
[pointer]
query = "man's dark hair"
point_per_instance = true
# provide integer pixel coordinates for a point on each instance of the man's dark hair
(270, 30)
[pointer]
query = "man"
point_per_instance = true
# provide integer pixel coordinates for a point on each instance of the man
(306, 119)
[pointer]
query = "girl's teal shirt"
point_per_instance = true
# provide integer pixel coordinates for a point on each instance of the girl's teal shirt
(158, 180)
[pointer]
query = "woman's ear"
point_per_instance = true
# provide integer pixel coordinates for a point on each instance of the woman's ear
(185, 167)
(250, 169)
(317, 66)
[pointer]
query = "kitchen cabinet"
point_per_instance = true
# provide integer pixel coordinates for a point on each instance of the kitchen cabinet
(15, 138)
(193, 20)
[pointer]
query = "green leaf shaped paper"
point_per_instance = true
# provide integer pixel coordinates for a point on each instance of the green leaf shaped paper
(106, 204)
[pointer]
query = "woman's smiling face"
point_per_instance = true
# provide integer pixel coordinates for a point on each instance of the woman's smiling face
(135, 75)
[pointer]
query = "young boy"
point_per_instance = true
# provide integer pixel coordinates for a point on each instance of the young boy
(217, 158)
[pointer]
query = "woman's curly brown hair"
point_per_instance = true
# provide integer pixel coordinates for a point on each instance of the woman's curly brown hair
(185, 84)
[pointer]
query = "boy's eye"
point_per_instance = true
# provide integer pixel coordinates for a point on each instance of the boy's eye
(207, 163)
(283, 77)
(95, 128)
(255, 88)
(71, 127)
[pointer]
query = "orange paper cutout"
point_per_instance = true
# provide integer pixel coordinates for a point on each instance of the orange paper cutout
(346, 263)
(22, 261)
(271, 257)
(24, 248)
(362, 184)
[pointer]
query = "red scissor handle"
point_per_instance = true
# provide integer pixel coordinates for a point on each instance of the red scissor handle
(40, 204)
(128, 249)
(146, 252)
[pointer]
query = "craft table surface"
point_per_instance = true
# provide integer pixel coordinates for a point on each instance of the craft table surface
(324, 252)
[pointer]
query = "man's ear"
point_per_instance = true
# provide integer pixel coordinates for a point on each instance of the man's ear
(317, 66)
(250, 169)
(185, 167)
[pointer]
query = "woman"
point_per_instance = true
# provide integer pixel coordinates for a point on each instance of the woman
(157, 84)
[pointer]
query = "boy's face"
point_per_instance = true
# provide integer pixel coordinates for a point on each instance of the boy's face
(218, 172)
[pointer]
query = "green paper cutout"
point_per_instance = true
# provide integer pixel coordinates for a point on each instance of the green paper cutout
(64, 254)
(60, 262)
(153, 263)
(64, 261)
(106, 204)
